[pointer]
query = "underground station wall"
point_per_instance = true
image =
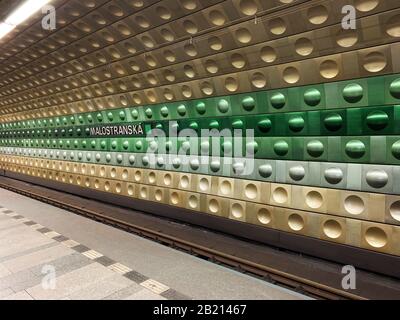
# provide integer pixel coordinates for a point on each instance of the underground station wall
(116, 102)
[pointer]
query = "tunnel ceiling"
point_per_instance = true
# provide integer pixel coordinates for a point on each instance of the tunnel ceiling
(106, 54)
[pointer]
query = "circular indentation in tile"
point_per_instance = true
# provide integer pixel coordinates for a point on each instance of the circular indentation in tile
(377, 178)
(280, 195)
(190, 50)
(193, 202)
(277, 26)
(366, 5)
(296, 222)
(333, 175)
(189, 4)
(211, 66)
(204, 184)
(163, 12)
(231, 84)
(158, 195)
(375, 62)
(237, 211)
(214, 206)
(131, 190)
(268, 54)
(167, 35)
(329, 69)
(291, 75)
(304, 46)
(115, 10)
(332, 229)
(226, 187)
(243, 35)
(190, 27)
(215, 43)
(314, 200)
(394, 210)
(185, 182)
(207, 88)
(138, 176)
(258, 80)
(187, 91)
(251, 191)
(102, 172)
(248, 7)
(118, 188)
(152, 177)
(107, 186)
(354, 205)
(317, 15)
(113, 173)
(125, 174)
(376, 237)
(346, 38)
(217, 17)
(167, 179)
(143, 192)
(175, 198)
(189, 71)
(142, 21)
(168, 94)
(264, 216)
(393, 26)
(238, 61)
(124, 30)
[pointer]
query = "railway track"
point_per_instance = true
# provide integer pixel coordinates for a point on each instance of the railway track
(300, 284)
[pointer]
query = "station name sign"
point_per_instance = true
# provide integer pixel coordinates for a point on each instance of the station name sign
(117, 130)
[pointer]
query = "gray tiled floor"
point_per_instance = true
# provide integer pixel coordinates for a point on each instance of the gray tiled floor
(158, 271)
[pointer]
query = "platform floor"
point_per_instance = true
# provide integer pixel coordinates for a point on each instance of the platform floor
(49, 253)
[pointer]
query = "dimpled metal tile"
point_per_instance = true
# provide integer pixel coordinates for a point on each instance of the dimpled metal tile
(323, 103)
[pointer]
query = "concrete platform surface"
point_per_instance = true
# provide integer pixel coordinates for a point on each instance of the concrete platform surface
(49, 253)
